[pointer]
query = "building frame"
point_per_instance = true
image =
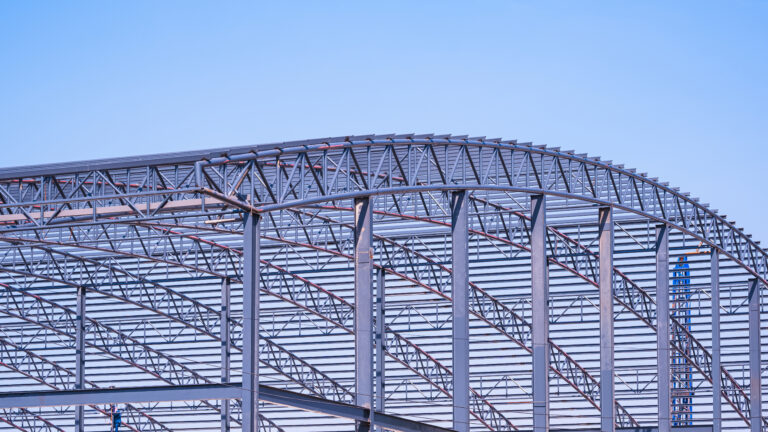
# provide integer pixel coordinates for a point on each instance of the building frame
(351, 234)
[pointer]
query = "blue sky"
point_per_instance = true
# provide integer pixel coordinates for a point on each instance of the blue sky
(675, 89)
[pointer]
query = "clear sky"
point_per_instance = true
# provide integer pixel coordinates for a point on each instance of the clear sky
(675, 89)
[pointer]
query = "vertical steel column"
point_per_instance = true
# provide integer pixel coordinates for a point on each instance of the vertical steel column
(755, 385)
(540, 313)
(662, 327)
(717, 416)
(363, 307)
(460, 293)
(251, 260)
(605, 280)
(380, 338)
(225, 352)
(80, 357)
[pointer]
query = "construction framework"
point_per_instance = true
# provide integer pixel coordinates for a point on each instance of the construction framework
(383, 282)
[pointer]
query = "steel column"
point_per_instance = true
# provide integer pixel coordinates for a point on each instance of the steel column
(460, 293)
(80, 357)
(380, 328)
(225, 351)
(251, 260)
(717, 417)
(540, 313)
(662, 326)
(605, 281)
(755, 385)
(363, 307)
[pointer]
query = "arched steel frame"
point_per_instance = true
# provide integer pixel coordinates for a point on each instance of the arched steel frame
(55, 223)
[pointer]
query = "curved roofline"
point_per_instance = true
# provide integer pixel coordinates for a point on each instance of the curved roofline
(203, 158)
(172, 157)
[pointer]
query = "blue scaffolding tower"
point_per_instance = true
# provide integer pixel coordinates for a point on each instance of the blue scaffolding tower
(682, 375)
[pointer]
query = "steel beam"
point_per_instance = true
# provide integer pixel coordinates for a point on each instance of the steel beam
(607, 397)
(225, 350)
(662, 324)
(207, 392)
(80, 357)
(380, 337)
(460, 293)
(102, 396)
(363, 307)
(755, 387)
(251, 259)
(717, 417)
(540, 313)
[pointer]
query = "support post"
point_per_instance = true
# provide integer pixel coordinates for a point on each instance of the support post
(251, 261)
(363, 307)
(460, 294)
(380, 339)
(605, 280)
(662, 327)
(80, 357)
(755, 387)
(717, 416)
(225, 350)
(540, 313)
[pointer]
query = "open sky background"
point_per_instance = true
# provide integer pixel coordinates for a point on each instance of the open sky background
(675, 89)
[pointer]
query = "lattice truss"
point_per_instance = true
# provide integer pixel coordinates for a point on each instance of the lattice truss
(129, 273)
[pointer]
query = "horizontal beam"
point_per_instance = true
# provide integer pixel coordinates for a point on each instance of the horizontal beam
(118, 396)
(209, 392)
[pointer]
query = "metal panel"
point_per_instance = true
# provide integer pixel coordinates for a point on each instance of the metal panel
(607, 398)
(540, 313)
(460, 292)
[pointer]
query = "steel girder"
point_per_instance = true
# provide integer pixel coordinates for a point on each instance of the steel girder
(416, 158)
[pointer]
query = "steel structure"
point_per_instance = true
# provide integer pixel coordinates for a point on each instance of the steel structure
(387, 282)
